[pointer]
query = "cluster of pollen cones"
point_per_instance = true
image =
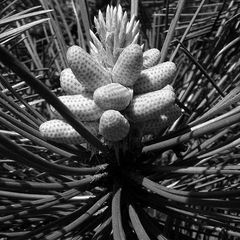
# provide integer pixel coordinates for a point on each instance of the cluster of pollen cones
(116, 87)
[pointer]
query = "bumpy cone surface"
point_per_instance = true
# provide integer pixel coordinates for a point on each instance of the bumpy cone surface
(155, 126)
(113, 126)
(115, 76)
(87, 71)
(61, 132)
(70, 84)
(113, 96)
(128, 66)
(155, 78)
(151, 57)
(150, 105)
(84, 108)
